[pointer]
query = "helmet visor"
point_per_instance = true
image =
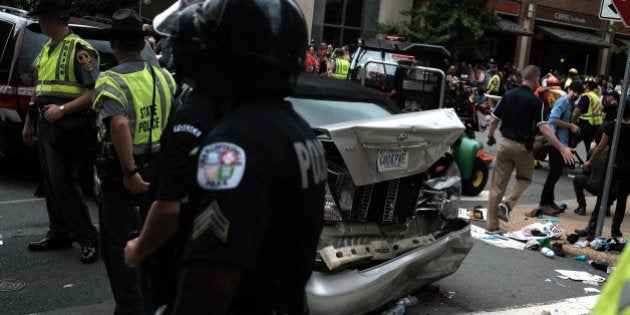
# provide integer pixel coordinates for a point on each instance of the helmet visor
(209, 13)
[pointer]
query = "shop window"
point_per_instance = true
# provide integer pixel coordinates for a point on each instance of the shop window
(343, 21)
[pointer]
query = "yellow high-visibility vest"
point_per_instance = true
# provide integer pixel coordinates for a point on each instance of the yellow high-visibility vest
(134, 91)
(615, 297)
(55, 69)
(594, 113)
(342, 67)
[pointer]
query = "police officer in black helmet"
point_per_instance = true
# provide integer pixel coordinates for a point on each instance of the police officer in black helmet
(257, 191)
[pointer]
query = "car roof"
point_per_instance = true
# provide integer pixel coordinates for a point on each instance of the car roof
(322, 87)
(404, 47)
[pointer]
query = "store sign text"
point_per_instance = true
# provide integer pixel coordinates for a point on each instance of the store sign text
(569, 18)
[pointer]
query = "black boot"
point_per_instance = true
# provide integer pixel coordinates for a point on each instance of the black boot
(587, 231)
(615, 229)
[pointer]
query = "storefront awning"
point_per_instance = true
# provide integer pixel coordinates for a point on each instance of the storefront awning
(623, 41)
(574, 36)
(507, 26)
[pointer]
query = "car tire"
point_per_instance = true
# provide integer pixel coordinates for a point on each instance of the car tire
(474, 185)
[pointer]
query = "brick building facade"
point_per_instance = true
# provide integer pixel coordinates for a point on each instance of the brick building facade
(554, 34)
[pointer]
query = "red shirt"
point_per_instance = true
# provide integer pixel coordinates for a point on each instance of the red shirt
(311, 64)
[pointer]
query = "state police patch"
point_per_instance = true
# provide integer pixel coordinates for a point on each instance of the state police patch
(221, 166)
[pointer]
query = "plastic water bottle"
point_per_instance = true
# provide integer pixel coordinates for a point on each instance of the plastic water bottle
(408, 301)
(547, 252)
(396, 310)
(581, 257)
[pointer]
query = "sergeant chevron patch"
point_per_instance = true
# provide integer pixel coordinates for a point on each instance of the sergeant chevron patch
(211, 218)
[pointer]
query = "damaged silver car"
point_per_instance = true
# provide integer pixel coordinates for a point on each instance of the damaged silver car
(391, 213)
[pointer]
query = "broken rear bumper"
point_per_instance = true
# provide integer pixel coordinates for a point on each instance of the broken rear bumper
(360, 291)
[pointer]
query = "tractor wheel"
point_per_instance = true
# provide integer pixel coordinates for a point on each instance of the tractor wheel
(474, 185)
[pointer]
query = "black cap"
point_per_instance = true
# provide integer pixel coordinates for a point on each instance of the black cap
(126, 23)
(51, 6)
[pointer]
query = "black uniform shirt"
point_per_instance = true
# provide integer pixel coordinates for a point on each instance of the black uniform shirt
(519, 111)
(188, 126)
(260, 198)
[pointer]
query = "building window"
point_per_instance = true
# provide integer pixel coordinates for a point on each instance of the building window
(343, 21)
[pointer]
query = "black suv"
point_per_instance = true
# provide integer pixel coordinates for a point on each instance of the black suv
(21, 40)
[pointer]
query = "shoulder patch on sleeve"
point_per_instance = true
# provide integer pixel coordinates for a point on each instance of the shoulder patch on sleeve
(84, 58)
(221, 166)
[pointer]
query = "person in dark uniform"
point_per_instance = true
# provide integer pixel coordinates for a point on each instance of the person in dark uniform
(134, 101)
(518, 111)
(67, 68)
(259, 174)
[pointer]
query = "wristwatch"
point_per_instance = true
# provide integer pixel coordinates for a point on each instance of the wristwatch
(130, 173)
(62, 107)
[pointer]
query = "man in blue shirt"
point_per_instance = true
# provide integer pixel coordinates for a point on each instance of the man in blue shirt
(560, 123)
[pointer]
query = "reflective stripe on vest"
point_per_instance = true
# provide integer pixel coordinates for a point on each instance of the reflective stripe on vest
(342, 67)
(55, 70)
(594, 113)
(135, 92)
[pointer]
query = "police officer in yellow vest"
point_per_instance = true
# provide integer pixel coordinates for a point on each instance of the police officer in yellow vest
(134, 101)
(339, 66)
(67, 68)
(588, 113)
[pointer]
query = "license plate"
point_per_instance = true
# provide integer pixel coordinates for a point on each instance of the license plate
(392, 160)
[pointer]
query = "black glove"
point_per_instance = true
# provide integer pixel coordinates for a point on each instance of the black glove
(491, 141)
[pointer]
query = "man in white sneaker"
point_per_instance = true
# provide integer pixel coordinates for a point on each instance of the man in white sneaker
(518, 111)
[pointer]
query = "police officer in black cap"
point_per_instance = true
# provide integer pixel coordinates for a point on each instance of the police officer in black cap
(258, 187)
(134, 101)
(67, 68)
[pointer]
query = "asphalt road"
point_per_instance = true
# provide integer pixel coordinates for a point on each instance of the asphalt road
(55, 282)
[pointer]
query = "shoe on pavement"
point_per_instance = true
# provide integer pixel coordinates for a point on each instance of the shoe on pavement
(89, 254)
(48, 243)
(580, 211)
(549, 210)
(503, 209)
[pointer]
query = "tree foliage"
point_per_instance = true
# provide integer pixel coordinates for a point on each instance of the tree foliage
(456, 24)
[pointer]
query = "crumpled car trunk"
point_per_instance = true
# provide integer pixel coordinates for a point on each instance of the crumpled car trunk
(395, 146)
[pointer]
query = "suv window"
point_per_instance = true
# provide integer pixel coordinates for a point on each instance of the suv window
(6, 50)
(31, 45)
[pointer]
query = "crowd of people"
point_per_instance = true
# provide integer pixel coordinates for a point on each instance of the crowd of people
(327, 60)
(200, 225)
(567, 110)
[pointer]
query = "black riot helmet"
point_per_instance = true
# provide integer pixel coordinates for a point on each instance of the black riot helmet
(237, 47)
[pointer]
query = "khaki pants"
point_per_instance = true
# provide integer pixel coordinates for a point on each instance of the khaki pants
(510, 155)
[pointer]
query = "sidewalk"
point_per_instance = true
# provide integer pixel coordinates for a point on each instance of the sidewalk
(568, 222)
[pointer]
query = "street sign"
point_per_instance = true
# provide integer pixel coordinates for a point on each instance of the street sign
(623, 8)
(608, 11)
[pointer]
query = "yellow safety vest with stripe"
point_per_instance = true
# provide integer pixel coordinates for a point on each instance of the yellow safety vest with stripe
(594, 113)
(135, 91)
(55, 70)
(615, 297)
(342, 67)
